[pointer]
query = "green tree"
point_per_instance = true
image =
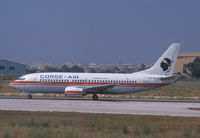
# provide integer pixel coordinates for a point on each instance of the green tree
(31, 70)
(76, 68)
(142, 67)
(194, 67)
(116, 69)
(92, 70)
(50, 69)
(108, 71)
(64, 68)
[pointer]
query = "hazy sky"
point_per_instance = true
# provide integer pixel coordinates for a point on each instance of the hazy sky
(99, 31)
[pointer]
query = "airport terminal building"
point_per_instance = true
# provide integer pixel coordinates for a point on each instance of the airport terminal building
(10, 67)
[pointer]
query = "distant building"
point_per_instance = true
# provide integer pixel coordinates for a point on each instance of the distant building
(7, 67)
(183, 59)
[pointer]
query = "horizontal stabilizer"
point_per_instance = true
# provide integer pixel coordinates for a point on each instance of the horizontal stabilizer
(172, 78)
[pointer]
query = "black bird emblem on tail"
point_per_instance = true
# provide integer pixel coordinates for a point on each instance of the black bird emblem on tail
(165, 64)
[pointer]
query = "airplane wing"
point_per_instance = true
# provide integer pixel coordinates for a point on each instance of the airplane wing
(99, 88)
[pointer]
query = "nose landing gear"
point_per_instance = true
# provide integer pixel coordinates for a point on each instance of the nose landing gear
(29, 96)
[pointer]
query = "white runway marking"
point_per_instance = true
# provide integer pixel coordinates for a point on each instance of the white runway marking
(113, 107)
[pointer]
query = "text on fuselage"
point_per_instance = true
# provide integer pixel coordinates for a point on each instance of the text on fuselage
(59, 76)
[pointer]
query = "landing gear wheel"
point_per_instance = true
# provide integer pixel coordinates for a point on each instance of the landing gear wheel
(29, 96)
(95, 97)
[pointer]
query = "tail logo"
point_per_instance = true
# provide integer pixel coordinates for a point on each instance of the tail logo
(165, 64)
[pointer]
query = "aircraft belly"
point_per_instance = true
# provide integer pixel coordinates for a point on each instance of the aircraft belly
(45, 89)
(123, 90)
(61, 89)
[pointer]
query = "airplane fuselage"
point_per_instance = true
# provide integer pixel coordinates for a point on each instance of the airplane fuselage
(57, 82)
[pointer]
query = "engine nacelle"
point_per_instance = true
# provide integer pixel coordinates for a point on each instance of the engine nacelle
(74, 91)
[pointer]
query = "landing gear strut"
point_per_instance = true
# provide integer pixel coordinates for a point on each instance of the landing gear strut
(29, 96)
(95, 97)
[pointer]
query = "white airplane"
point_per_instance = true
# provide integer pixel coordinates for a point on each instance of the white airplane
(80, 84)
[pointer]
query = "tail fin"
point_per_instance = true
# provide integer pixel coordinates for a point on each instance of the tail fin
(166, 63)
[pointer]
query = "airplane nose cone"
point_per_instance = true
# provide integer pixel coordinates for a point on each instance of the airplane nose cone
(15, 85)
(11, 84)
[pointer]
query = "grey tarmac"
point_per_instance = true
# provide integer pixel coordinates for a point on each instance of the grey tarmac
(136, 107)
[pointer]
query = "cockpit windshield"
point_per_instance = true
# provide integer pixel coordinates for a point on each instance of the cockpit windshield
(21, 78)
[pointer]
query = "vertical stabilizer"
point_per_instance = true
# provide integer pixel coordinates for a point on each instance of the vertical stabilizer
(166, 63)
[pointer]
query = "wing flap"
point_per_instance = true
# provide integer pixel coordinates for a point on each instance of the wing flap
(99, 88)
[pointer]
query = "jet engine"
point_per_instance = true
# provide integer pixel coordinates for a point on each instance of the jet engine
(74, 91)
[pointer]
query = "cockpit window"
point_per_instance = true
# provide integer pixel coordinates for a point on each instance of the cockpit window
(21, 78)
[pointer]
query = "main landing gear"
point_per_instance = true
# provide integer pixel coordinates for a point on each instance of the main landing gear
(95, 97)
(29, 96)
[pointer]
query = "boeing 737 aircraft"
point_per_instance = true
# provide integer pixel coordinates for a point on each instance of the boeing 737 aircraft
(80, 84)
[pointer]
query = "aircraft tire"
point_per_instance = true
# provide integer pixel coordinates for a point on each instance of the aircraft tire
(29, 96)
(95, 97)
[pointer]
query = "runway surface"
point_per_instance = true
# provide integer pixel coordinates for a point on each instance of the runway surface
(139, 107)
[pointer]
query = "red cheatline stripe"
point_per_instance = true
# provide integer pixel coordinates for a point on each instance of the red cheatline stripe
(74, 91)
(88, 84)
(68, 93)
(74, 95)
